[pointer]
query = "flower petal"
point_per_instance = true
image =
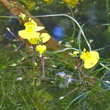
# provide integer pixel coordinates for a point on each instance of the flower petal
(39, 28)
(26, 35)
(92, 61)
(45, 37)
(34, 40)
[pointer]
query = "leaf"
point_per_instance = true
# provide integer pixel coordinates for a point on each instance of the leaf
(105, 85)
(79, 40)
(78, 97)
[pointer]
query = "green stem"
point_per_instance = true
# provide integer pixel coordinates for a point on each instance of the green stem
(104, 66)
(107, 8)
(72, 14)
(68, 93)
(42, 62)
(8, 17)
(31, 100)
(24, 101)
(3, 95)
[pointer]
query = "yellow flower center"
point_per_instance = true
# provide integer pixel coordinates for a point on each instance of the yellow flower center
(35, 40)
(29, 26)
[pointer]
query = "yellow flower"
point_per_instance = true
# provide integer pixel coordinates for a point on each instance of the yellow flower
(66, 1)
(90, 58)
(48, 1)
(41, 49)
(75, 53)
(30, 30)
(72, 3)
(30, 33)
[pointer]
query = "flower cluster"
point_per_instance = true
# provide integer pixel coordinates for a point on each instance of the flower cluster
(71, 3)
(48, 1)
(33, 36)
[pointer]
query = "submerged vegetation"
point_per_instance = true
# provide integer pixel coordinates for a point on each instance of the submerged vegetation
(33, 76)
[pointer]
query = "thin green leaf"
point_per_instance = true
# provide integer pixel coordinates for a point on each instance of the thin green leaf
(78, 97)
(79, 40)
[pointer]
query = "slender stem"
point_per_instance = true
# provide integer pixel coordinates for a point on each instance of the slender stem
(68, 93)
(12, 33)
(78, 65)
(20, 45)
(31, 100)
(66, 49)
(79, 76)
(42, 62)
(2, 94)
(9, 17)
(53, 15)
(25, 101)
(73, 34)
(34, 52)
(107, 8)
(104, 66)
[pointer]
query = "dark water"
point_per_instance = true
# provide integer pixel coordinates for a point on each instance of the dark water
(20, 83)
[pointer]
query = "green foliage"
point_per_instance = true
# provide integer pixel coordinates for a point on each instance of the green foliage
(21, 84)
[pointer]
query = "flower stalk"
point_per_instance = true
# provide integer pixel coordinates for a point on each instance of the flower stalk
(42, 62)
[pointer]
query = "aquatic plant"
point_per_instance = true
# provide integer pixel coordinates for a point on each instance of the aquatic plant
(85, 81)
(35, 38)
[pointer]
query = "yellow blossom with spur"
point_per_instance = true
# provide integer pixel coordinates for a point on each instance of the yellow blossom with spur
(41, 49)
(30, 30)
(31, 33)
(90, 58)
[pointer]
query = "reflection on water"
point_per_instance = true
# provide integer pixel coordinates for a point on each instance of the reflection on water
(92, 18)
(58, 33)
